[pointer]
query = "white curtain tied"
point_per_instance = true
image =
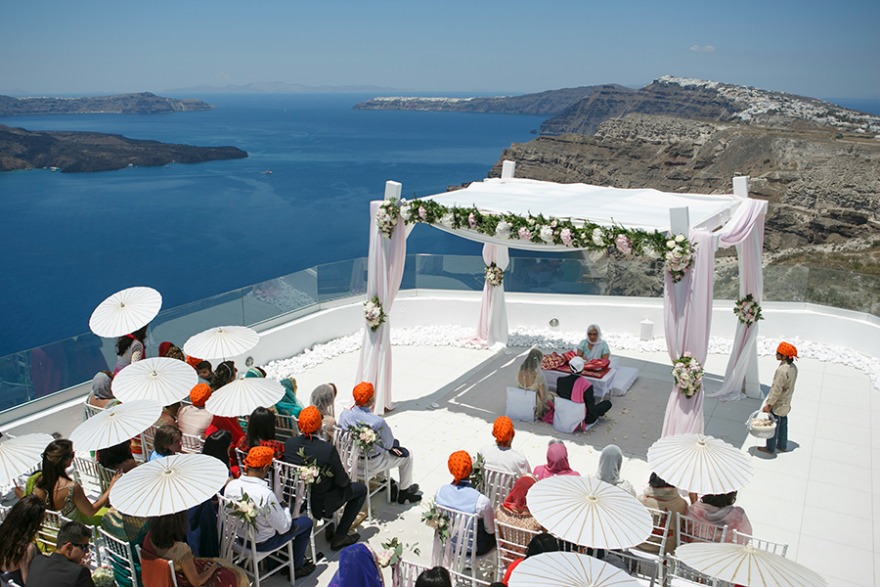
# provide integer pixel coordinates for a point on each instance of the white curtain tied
(688, 310)
(746, 231)
(492, 326)
(384, 273)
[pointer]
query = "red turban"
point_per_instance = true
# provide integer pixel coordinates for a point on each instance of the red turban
(503, 430)
(363, 393)
(200, 394)
(309, 420)
(460, 465)
(787, 349)
(259, 457)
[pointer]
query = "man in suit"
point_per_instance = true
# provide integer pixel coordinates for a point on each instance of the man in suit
(570, 384)
(68, 565)
(333, 488)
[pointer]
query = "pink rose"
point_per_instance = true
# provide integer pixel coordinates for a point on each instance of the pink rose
(423, 214)
(565, 235)
(524, 234)
(471, 220)
(624, 245)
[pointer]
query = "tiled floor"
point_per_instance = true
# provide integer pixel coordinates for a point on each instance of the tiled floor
(818, 498)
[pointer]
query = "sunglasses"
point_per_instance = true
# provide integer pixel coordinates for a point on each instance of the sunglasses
(82, 547)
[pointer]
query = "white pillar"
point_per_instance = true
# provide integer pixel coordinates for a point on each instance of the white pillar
(679, 221)
(741, 186)
(508, 168)
(392, 190)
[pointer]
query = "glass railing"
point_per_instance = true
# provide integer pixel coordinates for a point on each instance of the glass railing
(36, 373)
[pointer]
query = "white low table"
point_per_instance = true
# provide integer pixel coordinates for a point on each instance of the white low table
(601, 387)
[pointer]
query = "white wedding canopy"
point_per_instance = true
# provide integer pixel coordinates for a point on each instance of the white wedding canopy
(708, 220)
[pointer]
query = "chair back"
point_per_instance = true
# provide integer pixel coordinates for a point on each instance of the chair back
(105, 476)
(240, 456)
(89, 410)
(459, 551)
(153, 565)
(773, 547)
(348, 451)
(120, 556)
(232, 529)
(290, 488)
(148, 437)
(511, 543)
(679, 574)
(496, 485)
(405, 574)
(658, 542)
(47, 535)
(690, 529)
(285, 427)
(88, 475)
(191, 444)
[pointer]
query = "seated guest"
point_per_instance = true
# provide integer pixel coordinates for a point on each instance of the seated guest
(101, 395)
(261, 432)
(557, 462)
(577, 389)
(219, 446)
(117, 457)
(168, 415)
(662, 496)
(540, 544)
(324, 398)
(460, 496)
(168, 441)
(593, 347)
(531, 376)
(274, 524)
(68, 565)
(719, 511)
(515, 511)
(436, 577)
(501, 456)
(203, 368)
(194, 419)
(357, 568)
(171, 351)
(333, 489)
(610, 462)
(17, 535)
(167, 540)
(289, 404)
(129, 529)
(225, 373)
(387, 452)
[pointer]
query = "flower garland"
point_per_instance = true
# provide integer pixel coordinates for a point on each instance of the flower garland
(688, 375)
(494, 274)
(374, 314)
(386, 217)
(679, 256)
(748, 310)
(439, 521)
(555, 231)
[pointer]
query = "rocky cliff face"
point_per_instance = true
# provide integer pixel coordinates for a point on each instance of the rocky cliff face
(142, 103)
(823, 185)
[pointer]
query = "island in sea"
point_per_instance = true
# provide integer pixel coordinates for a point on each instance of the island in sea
(140, 103)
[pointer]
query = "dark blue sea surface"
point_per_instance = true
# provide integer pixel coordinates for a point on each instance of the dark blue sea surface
(192, 231)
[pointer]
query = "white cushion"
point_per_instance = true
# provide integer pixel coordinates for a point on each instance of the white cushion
(624, 377)
(567, 415)
(521, 404)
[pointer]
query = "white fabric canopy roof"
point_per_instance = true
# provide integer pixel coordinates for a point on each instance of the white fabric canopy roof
(646, 209)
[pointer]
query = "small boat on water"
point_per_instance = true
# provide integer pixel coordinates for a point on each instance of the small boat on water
(267, 172)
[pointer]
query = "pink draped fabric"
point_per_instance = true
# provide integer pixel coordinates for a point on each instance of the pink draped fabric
(384, 273)
(492, 326)
(688, 309)
(746, 231)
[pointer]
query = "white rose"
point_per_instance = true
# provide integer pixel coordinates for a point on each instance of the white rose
(502, 229)
(546, 234)
(446, 220)
(598, 237)
(670, 244)
(679, 238)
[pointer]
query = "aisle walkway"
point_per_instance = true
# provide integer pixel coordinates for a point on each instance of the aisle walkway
(818, 498)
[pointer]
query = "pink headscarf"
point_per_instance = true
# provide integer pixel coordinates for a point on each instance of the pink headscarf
(557, 462)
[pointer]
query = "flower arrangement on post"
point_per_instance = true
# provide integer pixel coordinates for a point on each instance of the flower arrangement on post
(748, 310)
(439, 521)
(245, 510)
(679, 256)
(374, 314)
(103, 577)
(392, 552)
(309, 472)
(477, 470)
(494, 274)
(365, 438)
(386, 217)
(688, 375)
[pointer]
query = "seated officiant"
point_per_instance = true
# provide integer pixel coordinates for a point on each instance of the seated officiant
(578, 389)
(593, 347)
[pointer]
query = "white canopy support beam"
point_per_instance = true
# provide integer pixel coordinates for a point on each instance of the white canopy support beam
(393, 190)
(679, 221)
(751, 383)
(741, 186)
(508, 169)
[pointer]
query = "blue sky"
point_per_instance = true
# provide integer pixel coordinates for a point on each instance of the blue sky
(822, 49)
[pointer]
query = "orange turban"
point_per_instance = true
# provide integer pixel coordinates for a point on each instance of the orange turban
(503, 430)
(363, 393)
(259, 457)
(787, 349)
(193, 362)
(310, 420)
(460, 465)
(200, 394)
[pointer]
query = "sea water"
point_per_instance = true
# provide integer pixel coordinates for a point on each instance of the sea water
(192, 231)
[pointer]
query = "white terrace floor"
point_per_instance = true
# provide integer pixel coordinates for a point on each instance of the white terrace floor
(820, 497)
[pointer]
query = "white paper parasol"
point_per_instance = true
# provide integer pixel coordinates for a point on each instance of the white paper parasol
(742, 564)
(700, 464)
(168, 485)
(125, 312)
(116, 424)
(162, 380)
(589, 512)
(221, 342)
(242, 396)
(568, 569)
(20, 454)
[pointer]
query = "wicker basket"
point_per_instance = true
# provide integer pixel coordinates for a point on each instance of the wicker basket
(758, 431)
